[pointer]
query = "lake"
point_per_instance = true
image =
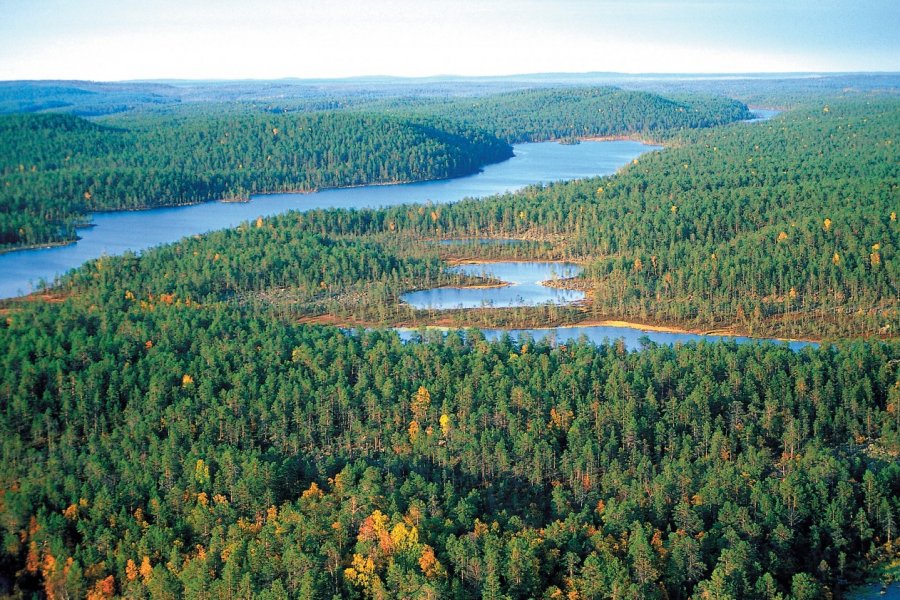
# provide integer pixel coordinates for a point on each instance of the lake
(632, 338)
(524, 287)
(117, 232)
(762, 114)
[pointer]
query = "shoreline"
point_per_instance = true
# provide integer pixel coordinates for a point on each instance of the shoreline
(727, 331)
(41, 246)
(724, 332)
(474, 286)
(616, 138)
(719, 332)
(442, 324)
(249, 197)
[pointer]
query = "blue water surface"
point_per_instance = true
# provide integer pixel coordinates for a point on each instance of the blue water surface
(117, 232)
(524, 287)
(633, 339)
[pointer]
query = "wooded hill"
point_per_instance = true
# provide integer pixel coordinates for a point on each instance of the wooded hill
(572, 113)
(54, 168)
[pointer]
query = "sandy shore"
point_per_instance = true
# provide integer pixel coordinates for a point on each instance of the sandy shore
(726, 331)
(641, 326)
(446, 323)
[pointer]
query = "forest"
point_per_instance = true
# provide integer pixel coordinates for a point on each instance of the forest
(55, 168)
(159, 447)
(780, 229)
(96, 99)
(786, 228)
(173, 426)
(573, 113)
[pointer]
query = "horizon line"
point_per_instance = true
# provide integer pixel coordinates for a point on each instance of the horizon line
(447, 76)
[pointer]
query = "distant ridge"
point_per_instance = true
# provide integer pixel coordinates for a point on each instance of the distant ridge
(99, 98)
(553, 76)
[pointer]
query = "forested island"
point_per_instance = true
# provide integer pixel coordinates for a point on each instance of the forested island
(174, 426)
(55, 168)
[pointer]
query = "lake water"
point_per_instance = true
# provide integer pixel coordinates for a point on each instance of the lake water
(873, 592)
(524, 289)
(599, 335)
(762, 114)
(118, 232)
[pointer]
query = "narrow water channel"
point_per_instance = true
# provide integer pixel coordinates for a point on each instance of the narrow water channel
(114, 233)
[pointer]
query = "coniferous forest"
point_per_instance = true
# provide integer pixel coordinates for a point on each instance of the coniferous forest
(54, 168)
(57, 167)
(175, 424)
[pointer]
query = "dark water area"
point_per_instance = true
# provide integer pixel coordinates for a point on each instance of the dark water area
(875, 591)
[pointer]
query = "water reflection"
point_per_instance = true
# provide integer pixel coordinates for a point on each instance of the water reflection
(524, 287)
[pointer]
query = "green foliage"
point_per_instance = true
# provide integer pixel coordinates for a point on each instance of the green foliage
(55, 167)
(785, 228)
(573, 113)
(690, 235)
(168, 429)
(216, 450)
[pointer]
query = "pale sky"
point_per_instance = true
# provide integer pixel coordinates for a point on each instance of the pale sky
(245, 39)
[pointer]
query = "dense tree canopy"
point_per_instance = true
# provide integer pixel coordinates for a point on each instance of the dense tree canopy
(785, 228)
(169, 430)
(163, 448)
(572, 113)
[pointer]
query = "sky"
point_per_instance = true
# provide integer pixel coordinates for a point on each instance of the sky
(113, 40)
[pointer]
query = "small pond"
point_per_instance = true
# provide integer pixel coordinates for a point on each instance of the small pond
(762, 114)
(524, 287)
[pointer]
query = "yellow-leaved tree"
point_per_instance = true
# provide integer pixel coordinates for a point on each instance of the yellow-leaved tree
(420, 403)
